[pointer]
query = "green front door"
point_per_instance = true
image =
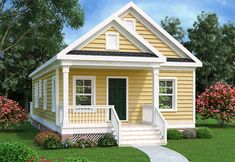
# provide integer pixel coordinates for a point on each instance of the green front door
(117, 96)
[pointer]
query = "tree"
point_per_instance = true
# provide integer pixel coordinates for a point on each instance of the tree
(31, 33)
(208, 40)
(217, 102)
(173, 26)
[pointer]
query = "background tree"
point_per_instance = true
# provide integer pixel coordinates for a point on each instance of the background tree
(31, 33)
(213, 44)
(173, 26)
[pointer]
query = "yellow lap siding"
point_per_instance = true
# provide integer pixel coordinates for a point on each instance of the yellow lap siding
(45, 114)
(99, 43)
(149, 36)
(184, 96)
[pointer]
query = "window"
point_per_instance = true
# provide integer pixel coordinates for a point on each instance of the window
(130, 23)
(112, 41)
(36, 95)
(40, 88)
(53, 91)
(45, 94)
(167, 99)
(84, 90)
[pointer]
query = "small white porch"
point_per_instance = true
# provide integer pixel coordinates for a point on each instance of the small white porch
(85, 119)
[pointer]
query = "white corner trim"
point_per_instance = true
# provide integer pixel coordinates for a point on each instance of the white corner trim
(127, 91)
(106, 40)
(194, 96)
(93, 88)
(175, 106)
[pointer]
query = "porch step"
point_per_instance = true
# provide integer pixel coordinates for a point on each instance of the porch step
(139, 134)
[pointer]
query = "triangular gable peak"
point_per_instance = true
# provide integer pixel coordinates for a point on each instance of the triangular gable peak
(132, 10)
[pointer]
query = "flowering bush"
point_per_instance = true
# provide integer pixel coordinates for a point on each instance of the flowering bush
(42, 136)
(217, 102)
(11, 113)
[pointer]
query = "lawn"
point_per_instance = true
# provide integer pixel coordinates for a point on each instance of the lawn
(26, 133)
(220, 148)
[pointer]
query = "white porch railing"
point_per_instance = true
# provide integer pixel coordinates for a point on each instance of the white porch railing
(162, 124)
(93, 116)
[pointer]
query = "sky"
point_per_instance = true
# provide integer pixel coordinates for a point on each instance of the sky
(186, 10)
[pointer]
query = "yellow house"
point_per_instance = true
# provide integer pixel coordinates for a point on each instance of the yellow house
(127, 76)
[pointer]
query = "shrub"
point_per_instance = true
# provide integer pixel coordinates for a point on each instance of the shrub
(189, 133)
(40, 137)
(16, 152)
(79, 159)
(217, 102)
(83, 143)
(203, 132)
(67, 144)
(174, 134)
(107, 141)
(11, 113)
(51, 143)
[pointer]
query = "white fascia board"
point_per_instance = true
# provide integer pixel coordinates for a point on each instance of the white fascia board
(110, 58)
(109, 64)
(166, 34)
(50, 61)
(182, 64)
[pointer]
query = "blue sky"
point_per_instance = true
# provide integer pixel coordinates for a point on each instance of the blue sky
(186, 10)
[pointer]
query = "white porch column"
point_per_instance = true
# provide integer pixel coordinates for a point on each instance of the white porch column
(57, 98)
(155, 93)
(65, 71)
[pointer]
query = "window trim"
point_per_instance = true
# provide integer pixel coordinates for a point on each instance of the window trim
(93, 88)
(45, 94)
(131, 19)
(174, 79)
(106, 39)
(36, 95)
(53, 100)
(40, 88)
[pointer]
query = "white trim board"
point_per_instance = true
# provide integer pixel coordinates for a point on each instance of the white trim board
(127, 91)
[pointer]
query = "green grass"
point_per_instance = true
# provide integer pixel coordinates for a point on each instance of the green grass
(26, 133)
(220, 148)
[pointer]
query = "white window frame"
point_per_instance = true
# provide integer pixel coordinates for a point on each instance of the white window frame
(106, 40)
(40, 88)
(134, 23)
(45, 94)
(53, 94)
(36, 95)
(174, 96)
(93, 88)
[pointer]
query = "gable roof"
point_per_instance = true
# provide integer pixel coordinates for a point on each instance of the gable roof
(115, 20)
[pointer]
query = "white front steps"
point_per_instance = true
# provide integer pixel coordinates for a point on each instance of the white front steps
(139, 134)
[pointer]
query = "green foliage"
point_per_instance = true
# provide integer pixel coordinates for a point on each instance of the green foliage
(189, 134)
(51, 143)
(79, 159)
(83, 143)
(107, 141)
(173, 26)
(174, 134)
(67, 143)
(32, 29)
(16, 152)
(212, 44)
(41, 136)
(203, 132)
